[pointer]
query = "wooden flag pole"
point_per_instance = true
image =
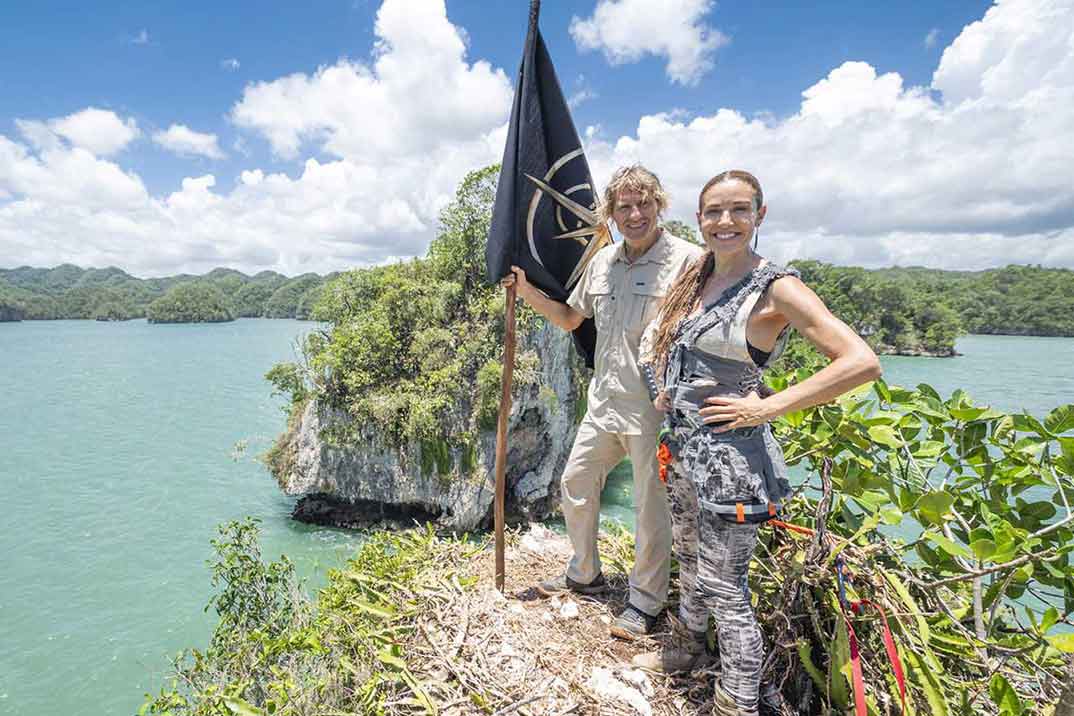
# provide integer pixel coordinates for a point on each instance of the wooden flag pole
(501, 429)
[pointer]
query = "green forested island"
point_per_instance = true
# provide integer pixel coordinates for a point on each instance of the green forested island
(110, 294)
(899, 310)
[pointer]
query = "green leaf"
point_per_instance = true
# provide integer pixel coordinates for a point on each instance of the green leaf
(926, 679)
(838, 659)
(923, 633)
(1049, 619)
(967, 414)
(1029, 424)
(1004, 696)
(881, 389)
(382, 612)
(237, 706)
(390, 659)
(891, 515)
(983, 548)
(1061, 419)
(885, 435)
(807, 663)
(1003, 428)
(933, 506)
(1062, 642)
(949, 546)
(929, 448)
(928, 390)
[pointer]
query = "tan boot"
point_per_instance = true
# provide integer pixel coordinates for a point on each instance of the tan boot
(684, 651)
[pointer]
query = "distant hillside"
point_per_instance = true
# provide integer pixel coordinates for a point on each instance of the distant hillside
(903, 307)
(111, 294)
(900, 310)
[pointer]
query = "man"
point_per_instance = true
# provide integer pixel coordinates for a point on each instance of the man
(622, 287)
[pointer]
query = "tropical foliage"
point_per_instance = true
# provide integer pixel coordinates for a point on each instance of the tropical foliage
(955, 519)
(408, 341)
(275, 652)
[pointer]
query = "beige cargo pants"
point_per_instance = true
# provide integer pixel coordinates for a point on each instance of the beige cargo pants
(595, 453)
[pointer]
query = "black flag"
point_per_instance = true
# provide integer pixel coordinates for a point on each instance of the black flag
(544, 220)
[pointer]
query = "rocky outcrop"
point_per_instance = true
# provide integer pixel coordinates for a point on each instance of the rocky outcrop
(369, 482)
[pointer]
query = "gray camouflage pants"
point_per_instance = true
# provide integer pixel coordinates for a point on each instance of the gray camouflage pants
(714, 558)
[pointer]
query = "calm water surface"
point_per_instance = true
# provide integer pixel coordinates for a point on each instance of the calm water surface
(118, 460)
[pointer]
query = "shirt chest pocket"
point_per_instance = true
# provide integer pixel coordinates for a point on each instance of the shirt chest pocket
(603, 303)
(646, 295)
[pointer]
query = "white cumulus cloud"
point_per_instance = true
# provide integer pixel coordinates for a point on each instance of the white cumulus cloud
(973, 171)
(98, 131)
(184, 141)
(399, 132)
(627, 30)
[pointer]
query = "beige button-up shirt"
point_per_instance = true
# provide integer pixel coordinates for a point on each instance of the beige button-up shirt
(624, 297)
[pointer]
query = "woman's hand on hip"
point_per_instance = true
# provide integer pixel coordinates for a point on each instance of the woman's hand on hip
(744, 412)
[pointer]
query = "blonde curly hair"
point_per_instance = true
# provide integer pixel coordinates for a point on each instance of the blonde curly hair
(632, 178)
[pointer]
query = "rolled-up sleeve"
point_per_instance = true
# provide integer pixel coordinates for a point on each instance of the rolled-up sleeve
(581, 298)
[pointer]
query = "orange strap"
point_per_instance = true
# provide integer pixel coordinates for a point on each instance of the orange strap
(740, 513)
(791, 527)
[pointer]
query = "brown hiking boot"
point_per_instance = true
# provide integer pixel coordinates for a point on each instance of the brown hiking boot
(684, 651)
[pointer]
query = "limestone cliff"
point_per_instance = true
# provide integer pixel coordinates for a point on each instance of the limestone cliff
(369, 481)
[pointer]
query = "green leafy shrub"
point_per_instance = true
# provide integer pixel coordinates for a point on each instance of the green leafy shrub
(955, 518)
(273, 651)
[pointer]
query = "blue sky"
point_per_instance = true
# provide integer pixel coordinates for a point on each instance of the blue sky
(155, 65)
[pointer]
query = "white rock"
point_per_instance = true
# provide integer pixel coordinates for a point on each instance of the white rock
(539, 539)
(516, 608)
(638, 678)
(603, 681)
(569, 610)
(605, 619)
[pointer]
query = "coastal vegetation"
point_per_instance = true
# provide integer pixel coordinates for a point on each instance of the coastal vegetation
(70, 292)
(414, 347)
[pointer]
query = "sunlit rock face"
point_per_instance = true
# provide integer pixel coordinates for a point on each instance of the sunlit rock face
(369, 482)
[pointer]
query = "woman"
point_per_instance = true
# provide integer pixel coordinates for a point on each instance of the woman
(723, 321)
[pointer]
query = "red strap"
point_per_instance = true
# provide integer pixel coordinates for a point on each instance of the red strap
(893, 653)
(855, 669)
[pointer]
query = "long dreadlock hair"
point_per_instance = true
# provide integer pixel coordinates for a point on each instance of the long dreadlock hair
(686, 290)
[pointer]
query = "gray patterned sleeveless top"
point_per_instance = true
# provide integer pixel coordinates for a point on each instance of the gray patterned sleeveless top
(710, 356)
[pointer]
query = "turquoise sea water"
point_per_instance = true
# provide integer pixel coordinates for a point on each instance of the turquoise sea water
(118, 459)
